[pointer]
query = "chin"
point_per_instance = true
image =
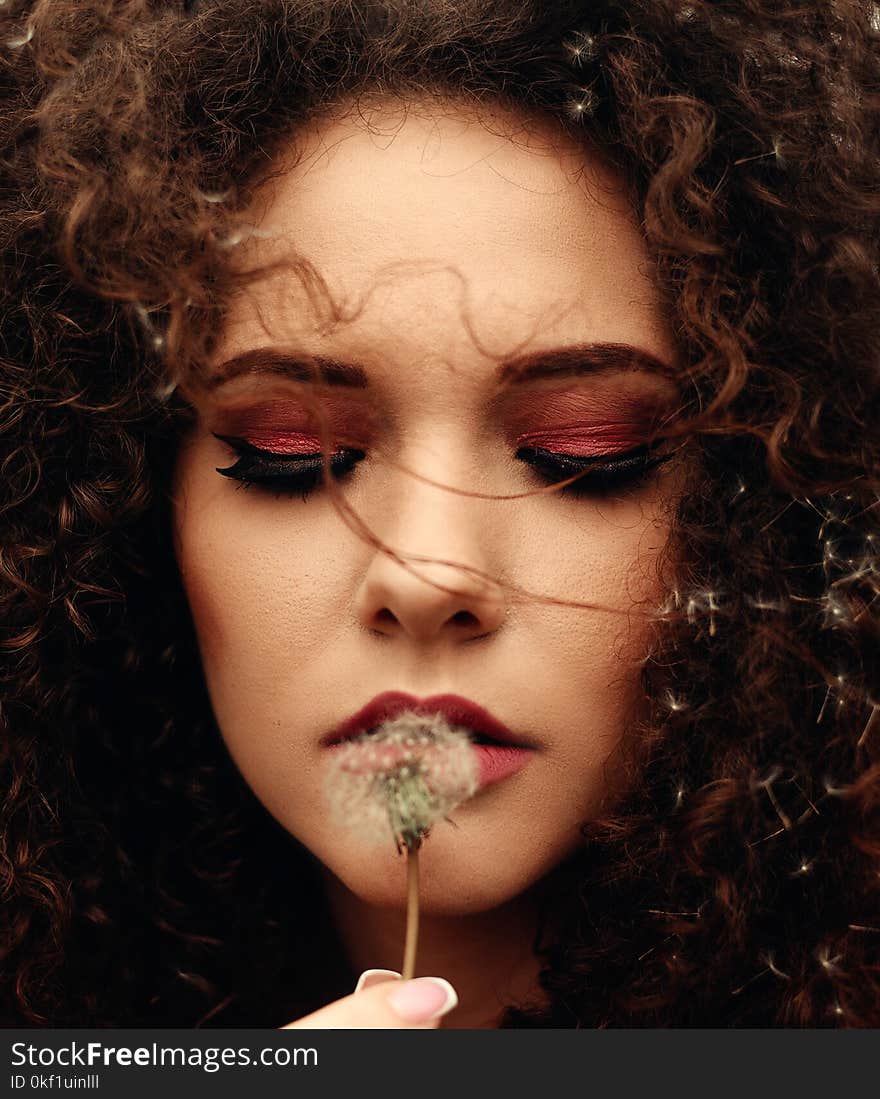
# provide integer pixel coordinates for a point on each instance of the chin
(450, 883)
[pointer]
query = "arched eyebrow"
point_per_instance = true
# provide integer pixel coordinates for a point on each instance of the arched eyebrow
(559, 362)
(579, 359)
(298, 367)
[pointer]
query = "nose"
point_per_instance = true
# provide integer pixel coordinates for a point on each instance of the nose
(452, 595)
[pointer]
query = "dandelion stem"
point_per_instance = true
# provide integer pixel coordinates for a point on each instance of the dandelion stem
(412, 912)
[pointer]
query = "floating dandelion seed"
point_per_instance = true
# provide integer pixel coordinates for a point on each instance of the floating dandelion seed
(833, 791)
(771, 965)
(214, 197)
(395, 783)
(872, 721)
(702, 601)
(713, 606)
(761, 604)
(157, 340)
(243, 233)
(827, 963)
(581, 105)
(840, 682)
(22, 39)
(791, 60)
(673, 703)
(164, 390)
(671, 603)
(581, 48)
(766, 784)
(834, 610)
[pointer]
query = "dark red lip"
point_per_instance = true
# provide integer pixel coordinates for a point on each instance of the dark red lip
(456, 710)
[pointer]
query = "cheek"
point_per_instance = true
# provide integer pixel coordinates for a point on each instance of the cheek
(594, 654)
(600, 557)
(255, 589)
(259, 607)
(264, 595)
(194, 533)
(198, 563)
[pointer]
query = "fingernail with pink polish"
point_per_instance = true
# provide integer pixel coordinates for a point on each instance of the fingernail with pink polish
(371, 977)
(422, 999)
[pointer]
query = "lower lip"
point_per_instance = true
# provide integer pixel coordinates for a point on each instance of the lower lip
(497, 762)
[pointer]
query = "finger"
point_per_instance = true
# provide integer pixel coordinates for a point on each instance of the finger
(371, 977)
(391, 1005)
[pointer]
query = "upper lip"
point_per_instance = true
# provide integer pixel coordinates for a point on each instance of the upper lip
(456, 710)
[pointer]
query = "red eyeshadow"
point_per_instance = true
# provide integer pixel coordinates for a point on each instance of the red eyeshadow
(585, 439)
(288, 427)
(579, 423)
(287, 442)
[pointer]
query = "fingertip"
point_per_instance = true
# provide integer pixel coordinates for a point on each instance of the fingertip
(423, 999)
(371, 977)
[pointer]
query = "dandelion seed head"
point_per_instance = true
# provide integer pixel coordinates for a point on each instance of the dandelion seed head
(399, 779)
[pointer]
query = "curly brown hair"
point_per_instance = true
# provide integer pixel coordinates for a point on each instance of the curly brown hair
(736, 883)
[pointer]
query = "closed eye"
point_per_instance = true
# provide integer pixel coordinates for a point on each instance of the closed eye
(597, 475)
(302, 474)
(285, 474)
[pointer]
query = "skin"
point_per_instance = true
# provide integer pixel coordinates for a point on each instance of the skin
(454, 238)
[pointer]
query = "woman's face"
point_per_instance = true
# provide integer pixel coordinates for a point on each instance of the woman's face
(462, 243)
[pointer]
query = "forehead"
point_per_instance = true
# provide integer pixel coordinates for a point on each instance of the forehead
(443, 222)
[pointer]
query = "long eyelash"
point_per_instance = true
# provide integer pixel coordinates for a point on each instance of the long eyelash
(601, 474)
(287, 475)
(301, 474)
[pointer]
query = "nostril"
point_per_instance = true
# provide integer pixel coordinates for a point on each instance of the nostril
(464, 618)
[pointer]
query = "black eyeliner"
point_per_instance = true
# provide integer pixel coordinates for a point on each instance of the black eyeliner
(302, 473)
